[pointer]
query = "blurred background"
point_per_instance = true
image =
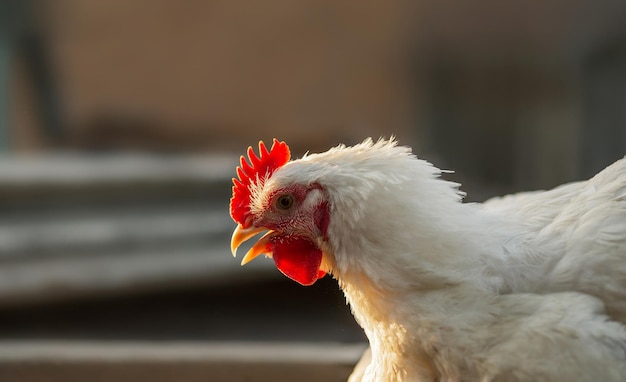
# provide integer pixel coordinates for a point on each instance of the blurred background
(121, 123)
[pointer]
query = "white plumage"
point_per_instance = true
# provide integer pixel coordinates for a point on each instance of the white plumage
(527, 287)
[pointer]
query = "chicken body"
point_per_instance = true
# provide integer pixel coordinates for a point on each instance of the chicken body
(529, 287)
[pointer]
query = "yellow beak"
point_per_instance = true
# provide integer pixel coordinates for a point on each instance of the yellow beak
(262, 246)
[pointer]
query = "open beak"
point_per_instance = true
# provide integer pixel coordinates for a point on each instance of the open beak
(262, 246)
(297, 257)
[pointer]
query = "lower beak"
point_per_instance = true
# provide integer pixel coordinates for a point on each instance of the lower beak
(262, 246)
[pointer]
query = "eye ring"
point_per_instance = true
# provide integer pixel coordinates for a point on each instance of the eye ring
(284, 202)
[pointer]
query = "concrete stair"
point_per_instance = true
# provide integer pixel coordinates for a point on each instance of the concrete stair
(179, 362)
(118, 268)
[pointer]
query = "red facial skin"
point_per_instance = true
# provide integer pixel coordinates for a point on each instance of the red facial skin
(298, 258)
(294, 247)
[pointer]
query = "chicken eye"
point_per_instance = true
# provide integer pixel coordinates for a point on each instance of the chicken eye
(284, 202)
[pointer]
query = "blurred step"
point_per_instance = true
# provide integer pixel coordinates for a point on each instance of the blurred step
(63, 235)
(66, 183)
(113, 273)
(39, 361)
(76, 169)
(75, 226)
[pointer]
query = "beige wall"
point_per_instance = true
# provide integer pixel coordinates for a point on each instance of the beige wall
(213, 73)
(481, 87)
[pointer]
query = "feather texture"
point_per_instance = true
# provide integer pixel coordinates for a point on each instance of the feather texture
(527, 287)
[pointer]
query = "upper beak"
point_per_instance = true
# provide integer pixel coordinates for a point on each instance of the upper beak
(240, 235)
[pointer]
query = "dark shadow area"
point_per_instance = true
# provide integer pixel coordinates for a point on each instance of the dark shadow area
(270, 311)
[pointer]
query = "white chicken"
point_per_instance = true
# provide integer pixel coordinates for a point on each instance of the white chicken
(528, 287)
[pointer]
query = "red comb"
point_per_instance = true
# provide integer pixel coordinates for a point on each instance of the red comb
(261, 167)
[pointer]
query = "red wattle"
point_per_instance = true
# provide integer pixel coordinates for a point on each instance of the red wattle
(298, 258)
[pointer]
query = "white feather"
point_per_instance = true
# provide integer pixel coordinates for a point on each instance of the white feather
(528, 287)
